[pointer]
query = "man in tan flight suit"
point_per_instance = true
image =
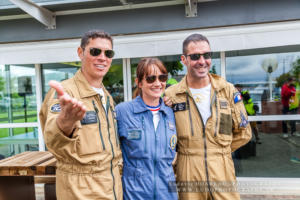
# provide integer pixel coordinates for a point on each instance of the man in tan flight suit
(77, 119)
(211, 123)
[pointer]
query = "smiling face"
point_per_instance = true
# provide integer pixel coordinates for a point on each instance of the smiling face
(197, 69)
(94, 68)
(151, 92)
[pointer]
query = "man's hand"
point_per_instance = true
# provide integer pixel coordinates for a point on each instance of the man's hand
(72, 110)
(168, 101)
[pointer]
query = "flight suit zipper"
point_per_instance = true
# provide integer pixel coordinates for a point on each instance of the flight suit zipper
(99, 124)
(166, 134)
(190, 116)
(205, 146)
(112, 148)
(155, 159)
(115, 127)
(215, 101)
(144, 129)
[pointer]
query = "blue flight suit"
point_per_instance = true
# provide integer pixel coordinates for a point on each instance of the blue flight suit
(147, 154)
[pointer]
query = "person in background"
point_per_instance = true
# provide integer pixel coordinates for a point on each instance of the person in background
(211, 122)
(251, 111)
(148, 136)
(288, 92)
(77, 119)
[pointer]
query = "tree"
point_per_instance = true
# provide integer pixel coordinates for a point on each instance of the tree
(296, 68)
(213, 70)
(173, 67)
(282, 79)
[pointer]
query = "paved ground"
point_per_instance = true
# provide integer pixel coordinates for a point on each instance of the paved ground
(272, 158)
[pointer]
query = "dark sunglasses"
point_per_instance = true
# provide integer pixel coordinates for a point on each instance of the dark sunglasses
(161, 78)
(196, 56)
(97, 52)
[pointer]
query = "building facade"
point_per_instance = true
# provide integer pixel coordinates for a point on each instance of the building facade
(256, 44)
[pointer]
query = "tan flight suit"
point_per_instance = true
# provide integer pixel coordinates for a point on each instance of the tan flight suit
(87, 162)
(205, 168)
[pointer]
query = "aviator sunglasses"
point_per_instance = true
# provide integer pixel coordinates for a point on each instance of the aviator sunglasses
(97, 52)
(196, 56)
(161, 78)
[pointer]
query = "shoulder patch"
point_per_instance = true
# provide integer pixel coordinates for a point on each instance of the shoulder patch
(237, 97)
(244, 121)
(55, 108)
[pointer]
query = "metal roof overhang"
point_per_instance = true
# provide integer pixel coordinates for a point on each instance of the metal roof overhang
(45, 11)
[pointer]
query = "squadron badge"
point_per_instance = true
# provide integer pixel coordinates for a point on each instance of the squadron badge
(173, 142)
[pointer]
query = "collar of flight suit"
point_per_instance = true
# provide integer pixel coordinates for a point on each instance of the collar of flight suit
(84, 88)
(140, 106)
(217, 84)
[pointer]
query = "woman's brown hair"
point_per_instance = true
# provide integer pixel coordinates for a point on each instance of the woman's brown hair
(144, 69)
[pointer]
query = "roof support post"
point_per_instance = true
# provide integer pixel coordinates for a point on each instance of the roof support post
(41, 14)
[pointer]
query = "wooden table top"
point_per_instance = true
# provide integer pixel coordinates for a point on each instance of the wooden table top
(28, 163)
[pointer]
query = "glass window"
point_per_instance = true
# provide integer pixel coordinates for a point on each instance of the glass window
(263, 75)
(113, 80)
(17, 94)
(175, 68)
(22, 139)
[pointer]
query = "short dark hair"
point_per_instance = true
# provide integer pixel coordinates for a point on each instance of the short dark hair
(196, 37)
(92, 34)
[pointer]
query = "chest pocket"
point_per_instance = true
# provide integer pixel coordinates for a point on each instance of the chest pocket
(136, 143)
(225, 122)
(90, 135)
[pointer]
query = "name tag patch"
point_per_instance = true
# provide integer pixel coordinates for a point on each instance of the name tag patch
(134, 134)
(223, 104)
(55, 108)
(179, 106)
(89, 118)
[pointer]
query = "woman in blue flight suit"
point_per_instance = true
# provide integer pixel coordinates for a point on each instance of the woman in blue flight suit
(148, 137)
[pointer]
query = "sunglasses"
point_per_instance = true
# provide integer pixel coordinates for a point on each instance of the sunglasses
(196, 56)
(97, 52)
(161, 78)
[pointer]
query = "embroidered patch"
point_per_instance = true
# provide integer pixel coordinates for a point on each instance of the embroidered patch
(134, 134)
(173, 141)
(90, 117)
(171, 126)
(244, 121)
(237, 97)
(179, 106)
(55, 108)
(223, 104)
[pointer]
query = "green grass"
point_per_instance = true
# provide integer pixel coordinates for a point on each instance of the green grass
(4, 114)
(4, 132)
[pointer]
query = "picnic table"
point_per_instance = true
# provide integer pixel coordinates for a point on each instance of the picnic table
(19, 173)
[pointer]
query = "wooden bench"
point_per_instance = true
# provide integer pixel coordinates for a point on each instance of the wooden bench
(19, 173)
